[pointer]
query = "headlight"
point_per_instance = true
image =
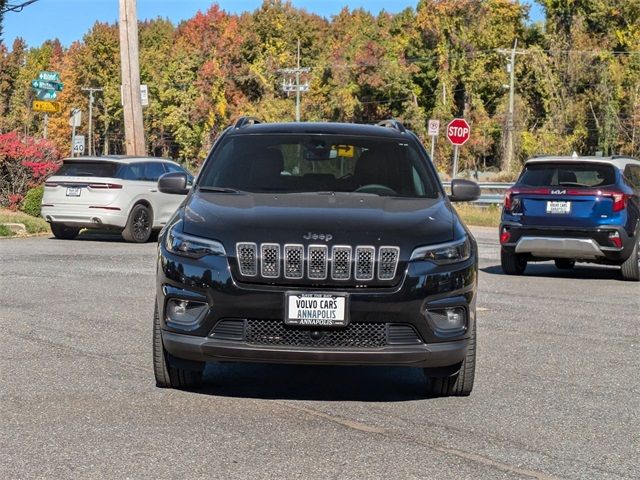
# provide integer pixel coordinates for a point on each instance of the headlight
(444, 253)
(189, 246)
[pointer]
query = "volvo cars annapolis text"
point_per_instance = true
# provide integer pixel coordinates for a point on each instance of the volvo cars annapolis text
(317, 243)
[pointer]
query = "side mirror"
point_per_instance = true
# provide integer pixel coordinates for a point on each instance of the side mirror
(464, 191)
(173, 183)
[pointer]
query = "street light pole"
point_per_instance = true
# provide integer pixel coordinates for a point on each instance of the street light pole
(91, 100)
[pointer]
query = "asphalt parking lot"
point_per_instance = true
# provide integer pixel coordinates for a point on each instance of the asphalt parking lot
(557, 390)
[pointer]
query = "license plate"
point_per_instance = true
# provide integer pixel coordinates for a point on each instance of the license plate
(316, 309)
(558, 207)
(73, 191)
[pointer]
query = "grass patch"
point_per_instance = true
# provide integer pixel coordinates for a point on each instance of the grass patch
(5, 231)
(32, 224)
(479, 216)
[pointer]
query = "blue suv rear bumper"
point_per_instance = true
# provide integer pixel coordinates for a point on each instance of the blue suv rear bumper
(587, 244)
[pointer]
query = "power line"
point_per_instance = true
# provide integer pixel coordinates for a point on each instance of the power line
(16, 7)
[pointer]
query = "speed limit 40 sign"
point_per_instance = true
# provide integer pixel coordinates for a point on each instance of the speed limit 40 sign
(78, 144)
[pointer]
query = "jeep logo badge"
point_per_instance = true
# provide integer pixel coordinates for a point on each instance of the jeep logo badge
(325, 237)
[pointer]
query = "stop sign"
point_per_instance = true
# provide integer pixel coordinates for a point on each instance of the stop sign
(458, 131)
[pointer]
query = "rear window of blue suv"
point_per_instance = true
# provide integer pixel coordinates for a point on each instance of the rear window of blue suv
(568, 175)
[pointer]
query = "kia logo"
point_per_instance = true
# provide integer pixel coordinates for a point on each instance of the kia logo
(324, 237)
(558, 192)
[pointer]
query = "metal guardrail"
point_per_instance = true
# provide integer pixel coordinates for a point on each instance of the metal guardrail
(491, 193)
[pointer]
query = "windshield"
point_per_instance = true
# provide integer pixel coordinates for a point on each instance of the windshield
(307, 163)
(74, 168)
(568, 175)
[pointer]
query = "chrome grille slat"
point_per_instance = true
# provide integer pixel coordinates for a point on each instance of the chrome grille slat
(365, 259)
(247, 254)
(317, 262)
(270, 260)
(341, 262)
(387, 262)
(293, 262)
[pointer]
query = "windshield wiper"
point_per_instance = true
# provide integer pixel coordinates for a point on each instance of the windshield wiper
(219, 190)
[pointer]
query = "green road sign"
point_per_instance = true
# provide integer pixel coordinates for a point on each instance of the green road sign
(41, 84)
(49, 77)
(46, 94)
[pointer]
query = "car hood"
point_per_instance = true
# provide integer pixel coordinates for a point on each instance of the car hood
(336, 219)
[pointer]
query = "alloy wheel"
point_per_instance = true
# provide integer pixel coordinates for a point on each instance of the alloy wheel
(141, 224)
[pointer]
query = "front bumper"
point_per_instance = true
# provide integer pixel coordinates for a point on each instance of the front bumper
(424, 288)
(425, 355)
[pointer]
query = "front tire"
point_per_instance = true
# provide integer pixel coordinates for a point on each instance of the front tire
(631, 267)
(459, 384)
(512, 263)
(564, 264)
(167, 373)
(64, 233)
(138, 228)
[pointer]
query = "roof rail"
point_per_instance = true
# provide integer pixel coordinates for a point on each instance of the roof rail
(392, 123)
(630, 157)
(245, 122)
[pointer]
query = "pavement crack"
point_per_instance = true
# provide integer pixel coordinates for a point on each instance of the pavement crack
(462, 454)
(78, 351)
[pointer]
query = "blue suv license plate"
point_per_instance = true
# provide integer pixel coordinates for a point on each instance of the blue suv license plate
(558, 207)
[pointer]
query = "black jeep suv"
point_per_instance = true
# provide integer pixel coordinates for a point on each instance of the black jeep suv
(317, 243)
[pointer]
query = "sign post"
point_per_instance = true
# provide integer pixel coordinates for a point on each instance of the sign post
(434, 130)
(46, 88)
(458, 133)
(74, 121)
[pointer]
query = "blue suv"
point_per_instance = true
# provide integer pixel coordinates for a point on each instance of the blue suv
(573, 209)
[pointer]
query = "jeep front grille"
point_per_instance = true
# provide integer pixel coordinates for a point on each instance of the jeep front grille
(270, 256)
(365, 258)
(293, 261)
(341, 263)
(317, 262)
(387, 262)
(247, 259)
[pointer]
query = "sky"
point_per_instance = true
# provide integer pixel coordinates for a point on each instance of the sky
(69, 20)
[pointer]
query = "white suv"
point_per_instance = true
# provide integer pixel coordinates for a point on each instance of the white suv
(110, 192)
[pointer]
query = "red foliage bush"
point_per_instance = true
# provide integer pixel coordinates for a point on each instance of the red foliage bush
(24, 163)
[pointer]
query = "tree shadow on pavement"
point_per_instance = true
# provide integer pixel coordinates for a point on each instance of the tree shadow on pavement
(308, 382)
(549, 270)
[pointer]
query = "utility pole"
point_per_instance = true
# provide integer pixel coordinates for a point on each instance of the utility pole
(297, 88)
(508, 153)
(133, 124)
(91, 100)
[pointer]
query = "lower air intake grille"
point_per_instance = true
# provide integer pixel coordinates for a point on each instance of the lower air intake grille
(228, 330)
(355, 335)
